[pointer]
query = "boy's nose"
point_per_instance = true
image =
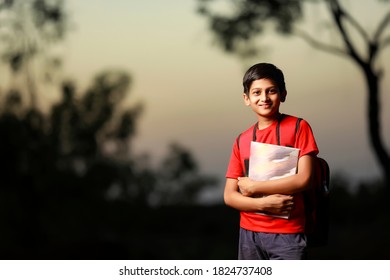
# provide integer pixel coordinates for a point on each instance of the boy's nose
(263, 97)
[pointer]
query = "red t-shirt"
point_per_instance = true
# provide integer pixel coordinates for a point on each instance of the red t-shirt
(305, 141)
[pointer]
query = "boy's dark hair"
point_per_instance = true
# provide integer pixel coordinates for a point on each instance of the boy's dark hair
(264, 71)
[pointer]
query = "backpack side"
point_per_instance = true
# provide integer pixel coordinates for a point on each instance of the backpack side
(317, 202)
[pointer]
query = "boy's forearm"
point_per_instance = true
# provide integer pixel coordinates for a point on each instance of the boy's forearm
(276, 204)
(243, 203)
(236, 200)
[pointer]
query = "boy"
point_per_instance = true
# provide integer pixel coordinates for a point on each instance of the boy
(266, 236)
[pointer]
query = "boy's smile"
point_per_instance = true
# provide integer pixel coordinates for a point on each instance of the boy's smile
(264, 98)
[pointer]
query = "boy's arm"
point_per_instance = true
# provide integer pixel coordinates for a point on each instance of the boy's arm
(288, 185)
(276, 204)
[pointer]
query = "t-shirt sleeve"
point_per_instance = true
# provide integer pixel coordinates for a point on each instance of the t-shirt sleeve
(235, 169)
(305, 140)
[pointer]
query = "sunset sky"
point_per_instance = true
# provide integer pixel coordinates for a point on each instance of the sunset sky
(192, 90)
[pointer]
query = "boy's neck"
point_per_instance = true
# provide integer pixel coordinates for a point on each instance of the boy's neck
(264, 122)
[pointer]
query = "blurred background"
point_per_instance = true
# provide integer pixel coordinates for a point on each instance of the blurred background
(117, 120)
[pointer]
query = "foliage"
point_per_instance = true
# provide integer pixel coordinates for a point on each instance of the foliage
(235, 30)
(31, 33)
(29, 27)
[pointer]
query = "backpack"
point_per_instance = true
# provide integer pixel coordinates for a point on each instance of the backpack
(316, 198)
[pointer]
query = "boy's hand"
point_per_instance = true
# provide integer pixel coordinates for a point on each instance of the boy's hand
(246, 186)
(278, 204)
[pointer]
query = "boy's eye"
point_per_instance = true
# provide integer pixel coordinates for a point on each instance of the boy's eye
(272, 90)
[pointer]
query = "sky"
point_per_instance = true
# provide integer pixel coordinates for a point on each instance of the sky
(192, 89)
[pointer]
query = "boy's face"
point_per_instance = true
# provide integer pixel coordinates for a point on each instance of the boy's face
(264, 98)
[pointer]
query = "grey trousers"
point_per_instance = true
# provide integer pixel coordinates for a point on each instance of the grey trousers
(271, 246)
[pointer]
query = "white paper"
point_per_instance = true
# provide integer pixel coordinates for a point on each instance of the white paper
(270, 162)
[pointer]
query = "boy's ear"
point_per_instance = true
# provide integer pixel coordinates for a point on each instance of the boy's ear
(246, 99)
(283, 96)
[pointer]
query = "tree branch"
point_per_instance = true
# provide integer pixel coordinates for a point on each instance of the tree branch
(376, 45)
(354, 23)
(319, 45)
(381, 27)
(338, 13)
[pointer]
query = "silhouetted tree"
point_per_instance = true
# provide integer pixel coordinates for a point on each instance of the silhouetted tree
(246, 20)
(30, 30)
